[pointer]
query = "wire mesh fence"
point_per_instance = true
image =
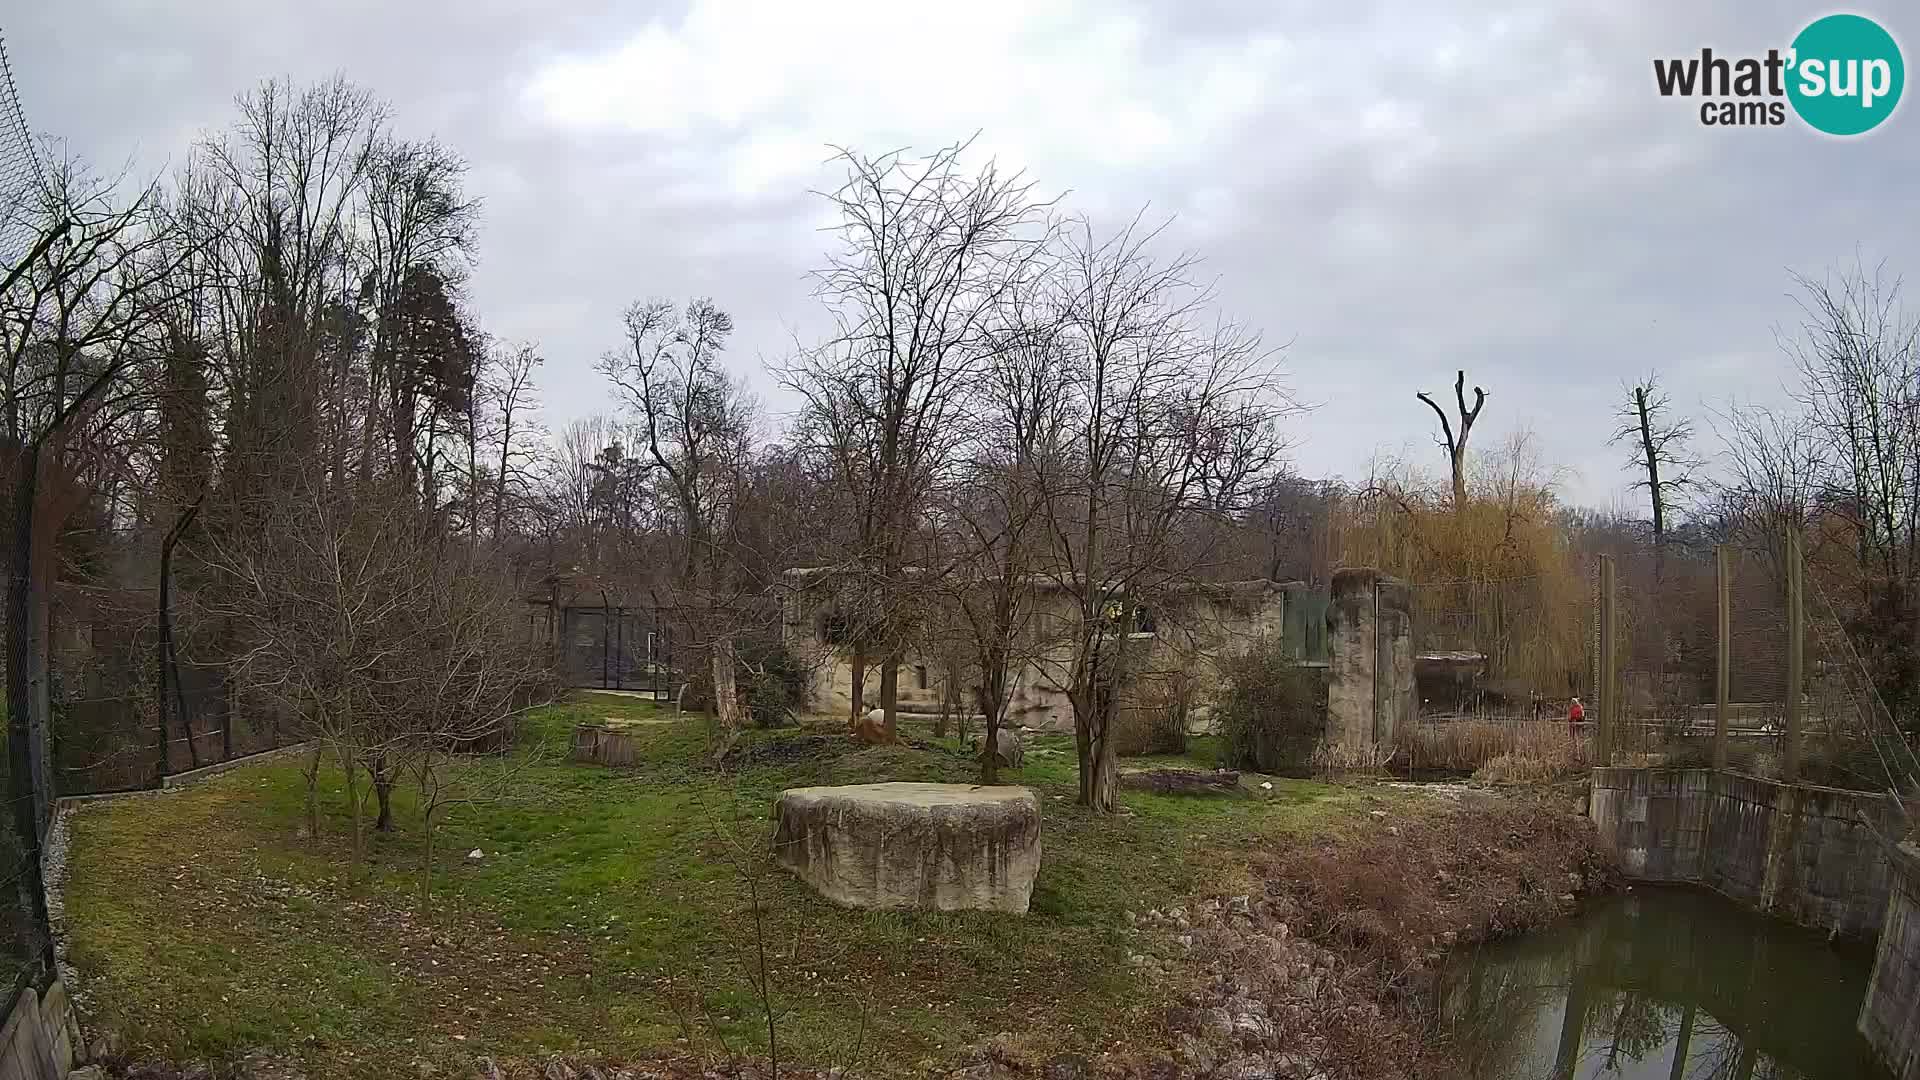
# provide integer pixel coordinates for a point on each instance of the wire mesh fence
(1666, 643)
(20, 172)
(1520, 671)
(25, 936)
(1740, 636)
(615, 648)
(115, 743)
(1851, 738)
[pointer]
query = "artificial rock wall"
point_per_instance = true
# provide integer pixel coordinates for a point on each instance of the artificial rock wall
(38, 1038)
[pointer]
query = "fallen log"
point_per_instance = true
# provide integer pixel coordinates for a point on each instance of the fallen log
(1183, 781)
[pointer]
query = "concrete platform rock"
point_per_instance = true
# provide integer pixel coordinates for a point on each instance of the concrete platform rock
(930, 847)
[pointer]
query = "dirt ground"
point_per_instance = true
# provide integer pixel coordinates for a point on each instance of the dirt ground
(1326, 967)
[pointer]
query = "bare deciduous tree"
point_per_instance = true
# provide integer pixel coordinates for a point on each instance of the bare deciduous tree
(928, 249)
(358, 618)
(695, 422)
(1858, 354)
(508, 424)
(1168, 424)
(289, 173)
(75, 318)
(996, 503)
(1772, 468)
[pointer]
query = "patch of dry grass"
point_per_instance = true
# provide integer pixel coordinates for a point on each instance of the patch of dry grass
(1510, 751)
(1340, 943)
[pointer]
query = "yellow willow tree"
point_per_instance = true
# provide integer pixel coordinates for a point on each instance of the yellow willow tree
(1496, 573)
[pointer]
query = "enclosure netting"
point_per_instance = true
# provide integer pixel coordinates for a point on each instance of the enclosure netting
(1668, 633)
(1498, 664)
(20, 171)
(19, 177)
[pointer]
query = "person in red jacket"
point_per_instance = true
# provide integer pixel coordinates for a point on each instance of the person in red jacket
(1575, 714)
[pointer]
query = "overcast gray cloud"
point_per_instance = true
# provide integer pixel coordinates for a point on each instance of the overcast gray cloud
(1394, 191)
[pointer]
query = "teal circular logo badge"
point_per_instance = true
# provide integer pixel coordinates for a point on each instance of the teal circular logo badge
(1846, 74)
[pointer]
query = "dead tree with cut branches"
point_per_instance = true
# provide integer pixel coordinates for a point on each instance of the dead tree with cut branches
(1456, 444)
(1660, 449)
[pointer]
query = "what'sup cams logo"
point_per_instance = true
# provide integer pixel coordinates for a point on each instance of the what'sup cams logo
(1842, 75)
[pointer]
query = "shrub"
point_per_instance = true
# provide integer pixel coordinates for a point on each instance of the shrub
(1154, 721)
(1272, 712)
(773, 682)
(1331, 759)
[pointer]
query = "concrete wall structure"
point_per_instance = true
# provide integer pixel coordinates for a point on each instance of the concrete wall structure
(1890, 1015)
(1795, 851)
(1811, 855)
(1360, 629)
(1194, 625)
(1370, 658)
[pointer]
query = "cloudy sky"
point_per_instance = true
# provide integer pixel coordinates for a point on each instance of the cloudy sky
(1393, 192)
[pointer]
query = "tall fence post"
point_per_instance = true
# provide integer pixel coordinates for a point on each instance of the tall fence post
(1723, 674)
(1608, 691)
(226, 718)
(1796, 655)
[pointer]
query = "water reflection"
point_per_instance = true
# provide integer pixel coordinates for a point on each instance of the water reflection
(1661, 983)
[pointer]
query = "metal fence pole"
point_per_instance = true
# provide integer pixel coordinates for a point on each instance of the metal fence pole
(1723, 675)
(666, 659)
(1796, 644)
(1608, 692)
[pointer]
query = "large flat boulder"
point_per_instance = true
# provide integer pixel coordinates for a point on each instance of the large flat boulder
(932, 847)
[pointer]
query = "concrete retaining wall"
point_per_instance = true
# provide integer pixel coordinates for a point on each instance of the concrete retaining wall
(1890, 1015)
(204, 772)
(1794, 851)
(37, 1039)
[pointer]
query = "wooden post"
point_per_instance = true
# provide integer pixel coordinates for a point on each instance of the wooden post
(1608, 691)
(1796, 659)
(1723, 676)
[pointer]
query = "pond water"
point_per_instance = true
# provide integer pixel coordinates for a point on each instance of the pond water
(1663, 984)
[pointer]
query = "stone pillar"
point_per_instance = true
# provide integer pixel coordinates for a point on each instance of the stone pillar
(1370, 658)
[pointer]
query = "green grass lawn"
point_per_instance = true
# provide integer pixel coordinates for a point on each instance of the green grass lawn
(608, 913)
